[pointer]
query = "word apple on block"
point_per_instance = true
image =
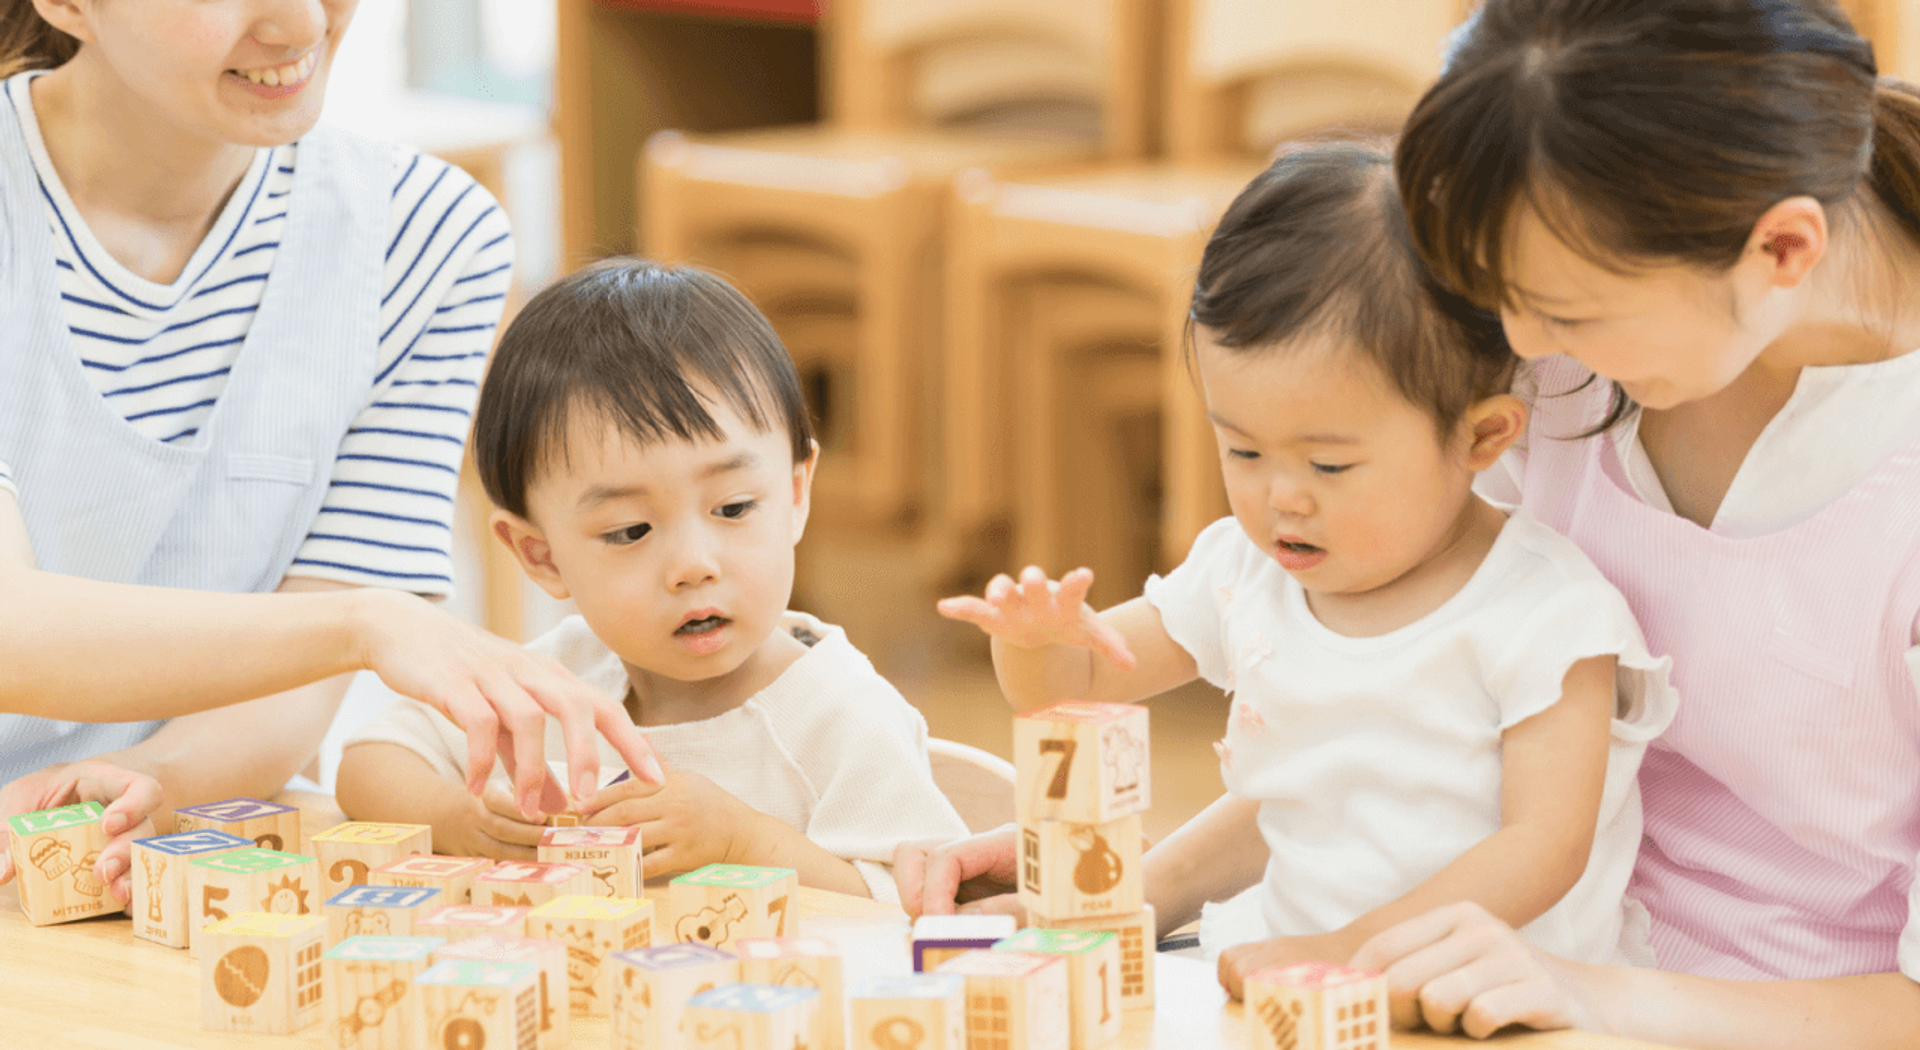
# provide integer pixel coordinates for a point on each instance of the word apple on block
(376, 911)
(481, 1004)
(373, 1004)
(452, 876)
(922, 1011)
(1139, 936)
(530, 883)
(268, 825)
(937, 938)
(593, 928)
(349, 852)
(54, 851)
(250, 880)
(722, 903)
(733, 1016)
(612, 855)
(1072, 871)
(261, 973)
(651, 987)
(159, 905)
(1082, 762)
(1317, 1006)
(556, 1025)
(457, 922)
(800, 962)
(1093, 978)
(1015, 1001)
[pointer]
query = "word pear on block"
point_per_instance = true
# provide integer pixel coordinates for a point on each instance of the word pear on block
(250, 880)
(529, 884)
(1072, 871)
(457, 922)
(349, 852)
(472, 1005)
(924, 1011)
(651, 987)
(1316, 1006)
(1139, 939)
(722, 903)
(54, 851)
(1081, 762)
(376, 911)
(800, 962)
(612, 855)
(556, 1026)
(262, 973)
(268, 825)
(593, 928)
(452, 876)
(937, 938)
(1093, 978)
(159, 905)
(734, 1016)
(372, 1001)
(1015, 1001)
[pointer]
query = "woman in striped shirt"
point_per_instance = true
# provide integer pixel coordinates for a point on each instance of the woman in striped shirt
(241, 354)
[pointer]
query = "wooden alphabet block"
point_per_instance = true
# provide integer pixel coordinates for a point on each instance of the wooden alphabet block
(159, 905)
(473, 1004)
(261, 973)
(452, 876)
(530, 884)
(268, 825)
(377, 911)
(750, 1016)
(651, 987)
(349, 852)
(937, 938)
(721, 903)
(457, 922)
(593, 928)
(801, 962)
(1139, 939)
(556, 1026)
(1071, 871)
(54, 851)
(1081, 762)
(925, 1011)
(1093, 978)
(250, 880)
(1316, 1006)
(611, 854)
(373, 1003)
(1015, 1001)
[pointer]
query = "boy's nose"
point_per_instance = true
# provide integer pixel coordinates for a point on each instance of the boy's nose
(694, 564)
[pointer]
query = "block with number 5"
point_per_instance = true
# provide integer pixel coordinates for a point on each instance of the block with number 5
(1081, 762)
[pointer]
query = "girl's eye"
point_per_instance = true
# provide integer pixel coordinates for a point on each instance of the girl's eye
(1332, 468)
(734, 511)
(1562, 322)
(630, 534)
(1243, 453)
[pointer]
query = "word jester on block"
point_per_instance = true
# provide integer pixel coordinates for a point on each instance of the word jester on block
(926, 1011)
(721, 903)
(612, 855)
(481, 1004)
(373, 1001)
(1316, 1006)
(349, 852)
(268, 825)
(1015, 1001)
(54, 851)
(736, 1016)
(937, 938)
(651, 987)
(1082, 762)
(159, 905)
(1093, 977)
(556, 1026)
(800, 962)
(593, 928)
(452, 876)
(262, 973)
(250, 880)
(376, 911)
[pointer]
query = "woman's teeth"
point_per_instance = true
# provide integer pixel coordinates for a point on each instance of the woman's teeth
(278, 75)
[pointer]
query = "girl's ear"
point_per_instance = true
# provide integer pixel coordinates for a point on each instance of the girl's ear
(67, 17)
(1493, 425)
(1790, 238)
(530, 549)
(803, 491)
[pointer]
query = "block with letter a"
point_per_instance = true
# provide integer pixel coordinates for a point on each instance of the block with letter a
(721, 903)
(268, 825)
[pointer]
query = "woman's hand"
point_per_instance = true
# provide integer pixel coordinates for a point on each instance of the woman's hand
(1039, 612)
(489, 825)
(131, 798)
(685, 823)
(1244, 960)
(934, 877)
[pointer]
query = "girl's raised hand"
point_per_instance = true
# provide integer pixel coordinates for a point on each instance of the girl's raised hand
(1037, 611)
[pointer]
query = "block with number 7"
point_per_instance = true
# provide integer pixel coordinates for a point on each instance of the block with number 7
(722, 903)
(1081, 762)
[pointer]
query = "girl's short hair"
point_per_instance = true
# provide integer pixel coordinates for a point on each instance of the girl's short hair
(1318, 246)
(639, 345)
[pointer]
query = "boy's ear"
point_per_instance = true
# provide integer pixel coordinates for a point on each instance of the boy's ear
(530, 549)
(803, 491)
(1493, 425)
(66, 16)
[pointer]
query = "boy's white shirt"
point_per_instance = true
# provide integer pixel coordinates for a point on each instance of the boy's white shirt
(1377, 760)
(830, 748)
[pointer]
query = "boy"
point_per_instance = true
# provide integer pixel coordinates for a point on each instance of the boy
(643, 438)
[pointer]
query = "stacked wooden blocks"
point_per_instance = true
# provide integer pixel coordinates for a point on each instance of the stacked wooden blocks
(1316, 1006)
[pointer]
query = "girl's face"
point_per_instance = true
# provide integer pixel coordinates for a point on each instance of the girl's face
(242, 72)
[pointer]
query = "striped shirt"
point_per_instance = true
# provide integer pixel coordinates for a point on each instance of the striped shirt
(160, 354)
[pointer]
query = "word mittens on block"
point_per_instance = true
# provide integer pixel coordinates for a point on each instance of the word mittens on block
(1316, 1006)
(54, 851)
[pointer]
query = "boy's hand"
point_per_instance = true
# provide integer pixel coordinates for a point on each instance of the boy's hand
(1242, 960)
(686, 823)
(488, 826)
(130, 798)
(1037, 611)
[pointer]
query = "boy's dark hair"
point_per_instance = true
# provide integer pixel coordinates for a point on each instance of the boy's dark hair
(629, 340)
(1318, 246)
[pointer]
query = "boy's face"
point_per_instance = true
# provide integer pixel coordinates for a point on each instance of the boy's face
(679, 554)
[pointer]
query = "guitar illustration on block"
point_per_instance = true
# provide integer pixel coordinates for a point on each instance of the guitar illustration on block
(711, 926)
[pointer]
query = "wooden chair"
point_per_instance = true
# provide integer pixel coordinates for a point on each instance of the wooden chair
(979, 784)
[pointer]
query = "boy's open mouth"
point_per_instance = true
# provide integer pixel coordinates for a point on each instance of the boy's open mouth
(1299, 548)
(703, 625)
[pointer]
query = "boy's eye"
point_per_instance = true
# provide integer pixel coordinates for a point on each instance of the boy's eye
(630, 534)
(737, 510)
(1332, 468)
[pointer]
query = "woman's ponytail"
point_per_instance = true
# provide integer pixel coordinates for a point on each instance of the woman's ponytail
(28, 41)
(1895, 171)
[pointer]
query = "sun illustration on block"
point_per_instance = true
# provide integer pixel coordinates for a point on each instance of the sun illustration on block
(285, 897)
